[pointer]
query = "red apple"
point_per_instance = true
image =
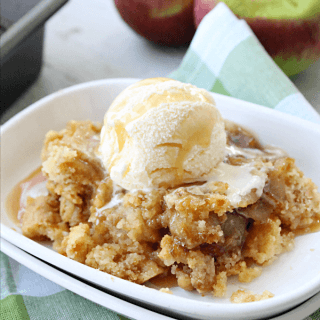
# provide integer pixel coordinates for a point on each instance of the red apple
(289, 30)
(165, 22)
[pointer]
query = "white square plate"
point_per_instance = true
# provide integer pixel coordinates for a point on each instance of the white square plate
(293, 278)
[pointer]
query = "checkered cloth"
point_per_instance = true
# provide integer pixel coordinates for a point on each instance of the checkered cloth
(224, 57)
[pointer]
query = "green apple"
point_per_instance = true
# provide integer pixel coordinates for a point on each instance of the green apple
(165, 22)
(288, 29)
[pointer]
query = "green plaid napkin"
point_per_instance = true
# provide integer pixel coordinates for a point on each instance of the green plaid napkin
(224, 57)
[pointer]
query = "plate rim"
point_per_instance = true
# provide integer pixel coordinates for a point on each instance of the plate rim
(94, 83)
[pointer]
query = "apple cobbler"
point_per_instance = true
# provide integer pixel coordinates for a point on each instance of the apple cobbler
(192, 231)
(231, 222)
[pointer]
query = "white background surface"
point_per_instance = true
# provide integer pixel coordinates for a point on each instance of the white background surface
(87, 40)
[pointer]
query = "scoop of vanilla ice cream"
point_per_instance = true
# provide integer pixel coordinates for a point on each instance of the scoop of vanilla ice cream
(161, 132)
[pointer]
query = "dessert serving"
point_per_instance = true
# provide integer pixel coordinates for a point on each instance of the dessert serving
(167, 187)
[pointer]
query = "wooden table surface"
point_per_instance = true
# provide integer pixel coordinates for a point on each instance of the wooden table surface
(87, 40)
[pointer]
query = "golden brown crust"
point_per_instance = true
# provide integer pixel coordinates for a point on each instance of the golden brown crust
(41, 219)
(130, 262)
(241, 296)
(78, 243)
